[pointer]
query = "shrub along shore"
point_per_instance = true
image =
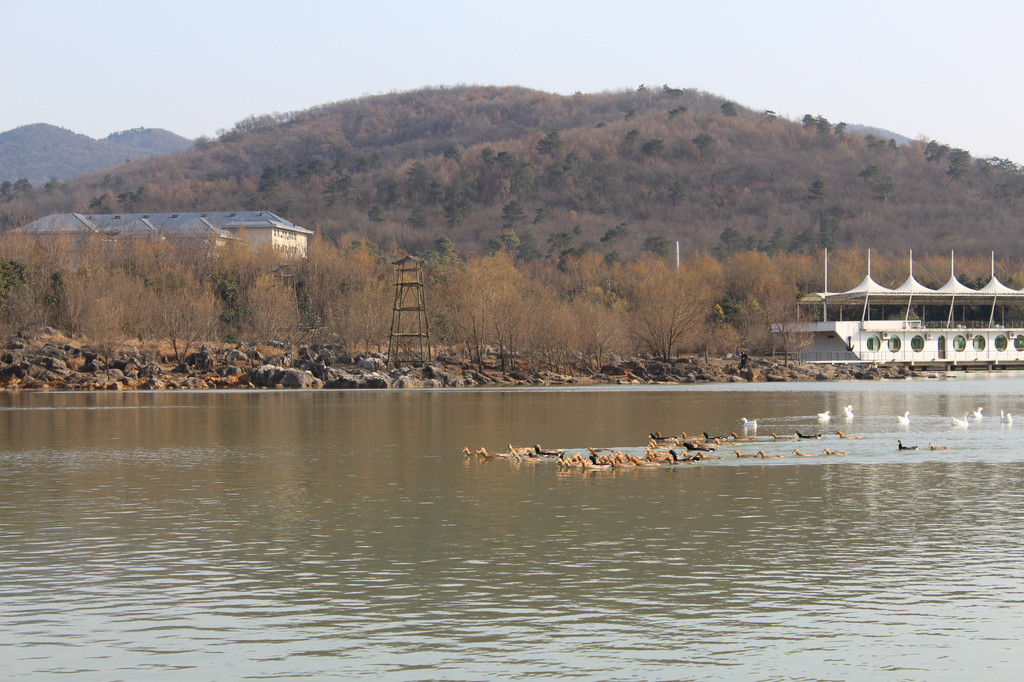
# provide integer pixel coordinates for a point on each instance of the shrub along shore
(45, 359)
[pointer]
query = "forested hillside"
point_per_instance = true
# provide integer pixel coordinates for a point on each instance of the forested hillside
(538, 175)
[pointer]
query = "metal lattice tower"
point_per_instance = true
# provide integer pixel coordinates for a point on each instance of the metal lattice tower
(410, 335)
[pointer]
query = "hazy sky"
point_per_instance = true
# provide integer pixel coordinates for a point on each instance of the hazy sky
(948, 71)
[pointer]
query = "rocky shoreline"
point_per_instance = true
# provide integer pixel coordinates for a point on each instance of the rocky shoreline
(44, 359)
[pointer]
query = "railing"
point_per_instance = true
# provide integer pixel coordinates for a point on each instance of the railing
(830, 356)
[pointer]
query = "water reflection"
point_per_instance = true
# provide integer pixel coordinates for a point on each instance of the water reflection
(342, 534)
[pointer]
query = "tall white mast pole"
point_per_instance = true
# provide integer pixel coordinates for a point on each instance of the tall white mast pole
(824, 301)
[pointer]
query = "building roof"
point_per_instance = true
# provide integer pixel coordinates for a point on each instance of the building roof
(219, 224)
(912, 290)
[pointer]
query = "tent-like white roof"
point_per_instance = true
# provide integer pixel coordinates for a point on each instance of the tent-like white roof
(954, 286)
(912, 286)
(994, 286)
(869, 286)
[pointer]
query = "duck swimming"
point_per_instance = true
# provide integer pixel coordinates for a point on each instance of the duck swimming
(901, 446)
(482, 452)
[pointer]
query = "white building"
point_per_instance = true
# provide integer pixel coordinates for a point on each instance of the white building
(952, 326)
(257, 227)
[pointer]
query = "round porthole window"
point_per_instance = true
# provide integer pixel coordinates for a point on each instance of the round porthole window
(1018, 343)
(959, 342)
(895, 344)
(873, 343)
(1000, 342)
(979, 342)
(917, 343)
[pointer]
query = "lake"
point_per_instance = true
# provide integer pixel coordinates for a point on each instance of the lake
(270, 534)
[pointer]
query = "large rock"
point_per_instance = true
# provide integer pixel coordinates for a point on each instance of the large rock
(271, 376)
(370, 364)
(53, 364)
(201, 360)
(358, 379)
(415, 381)
(444, 378)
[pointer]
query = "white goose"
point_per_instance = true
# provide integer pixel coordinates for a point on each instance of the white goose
(977, 413)
(749, 423)
(961, 423)
(848, 412)
(825, 416)
(904, 419)
(1005, 417)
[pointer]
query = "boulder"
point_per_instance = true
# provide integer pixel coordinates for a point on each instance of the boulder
(298, 378)
(371, 364)
(201, 360)
(415, 381)
(150, 370)
(433, 372)
(269, 376)
(234, 355)
(53, 364)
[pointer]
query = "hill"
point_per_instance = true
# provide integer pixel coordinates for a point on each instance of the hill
(538, 175)
(40, 152)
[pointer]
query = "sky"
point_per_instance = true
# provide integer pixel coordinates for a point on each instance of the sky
(945, 71)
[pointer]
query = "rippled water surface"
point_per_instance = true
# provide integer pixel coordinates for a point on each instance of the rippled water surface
(343, 534)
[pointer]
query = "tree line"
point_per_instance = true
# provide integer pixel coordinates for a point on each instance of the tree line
(576, 314)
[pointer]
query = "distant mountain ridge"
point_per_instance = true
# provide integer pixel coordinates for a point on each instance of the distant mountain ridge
(40, 151)
(882, 133)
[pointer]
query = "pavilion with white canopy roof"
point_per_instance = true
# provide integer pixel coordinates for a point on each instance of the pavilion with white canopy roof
(952, 326)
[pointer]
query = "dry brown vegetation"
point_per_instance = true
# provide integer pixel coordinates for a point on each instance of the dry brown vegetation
(576, 315)
(548, 176)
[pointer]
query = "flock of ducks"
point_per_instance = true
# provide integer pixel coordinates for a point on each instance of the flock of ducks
(683, 449)
(971, 416)
(904, 419)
